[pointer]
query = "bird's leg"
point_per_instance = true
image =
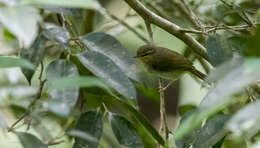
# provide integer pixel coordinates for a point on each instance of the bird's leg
(165, 87)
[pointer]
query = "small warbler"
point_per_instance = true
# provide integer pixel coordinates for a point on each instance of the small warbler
(166, 63)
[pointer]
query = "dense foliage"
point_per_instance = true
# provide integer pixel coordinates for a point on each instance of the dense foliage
(68, 77)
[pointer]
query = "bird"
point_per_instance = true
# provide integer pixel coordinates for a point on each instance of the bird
(166, 63)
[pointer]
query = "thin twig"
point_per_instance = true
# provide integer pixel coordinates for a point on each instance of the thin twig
(192, 31)
(242, 15)
(192, 16)
(68, 24)
(168, 26)
(159, 11)
(150, 32)
(55, 142)
(110, 15)
(209, 29)
(29, 108)
(163, 127)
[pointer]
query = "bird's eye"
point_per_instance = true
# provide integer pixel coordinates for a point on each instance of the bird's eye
(146, 54)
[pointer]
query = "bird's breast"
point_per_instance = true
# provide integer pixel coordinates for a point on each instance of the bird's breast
(173, 75)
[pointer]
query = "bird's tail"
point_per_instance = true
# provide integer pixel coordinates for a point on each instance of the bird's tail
(199, 74)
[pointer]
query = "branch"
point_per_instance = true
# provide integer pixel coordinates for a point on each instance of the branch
(192, 16)
(29, 108)
(166, 25)
(150, 32)
(163, 127)
(242, 15)
(164, 130)
(110, 15)
(209, 29)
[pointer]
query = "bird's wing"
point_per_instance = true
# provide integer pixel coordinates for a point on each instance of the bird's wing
(166, 63)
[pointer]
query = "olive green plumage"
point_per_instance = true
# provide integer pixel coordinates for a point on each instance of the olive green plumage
(166, 63)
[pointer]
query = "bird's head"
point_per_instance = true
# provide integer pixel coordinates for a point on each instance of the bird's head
(145, 51)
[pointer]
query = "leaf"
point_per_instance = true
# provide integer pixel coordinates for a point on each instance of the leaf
(77, 82)
(125, 132)
(136, 115)
(22, 21)
(223, 69)
(219, 143)
(59, 108)
(206, 135)
(253, 43)
(240, 77)
(89, 4)
(238, 43)
(183, 109)
(220, 96)
(57, 33)
(218, 49)
(91, 124)
(112, 48)
(8, 62)
(59, 69)
(104, 68)
(30, 141)
(246, 121)
(83, 136)
(34, 54)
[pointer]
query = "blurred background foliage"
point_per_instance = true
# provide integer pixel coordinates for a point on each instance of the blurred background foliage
(97, 95)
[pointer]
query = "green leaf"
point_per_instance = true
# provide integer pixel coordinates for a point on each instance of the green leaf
(246, 121)
(89, 4)
(30, 141)
(238, 78)
(8, 62)
(223, 69)
(91, 124)
(83, 135)
(125, 132)
(218, 49)
(34, 54)
(59, 69)
(104, 68)
(57, 33)
(59, 108)
(238, 43)
(206, 135)
(183, 109)
(220, 96)
(111, 47)
(137, 116)
(21, 21)
(253, 43)
(219, 143)
(77, 82)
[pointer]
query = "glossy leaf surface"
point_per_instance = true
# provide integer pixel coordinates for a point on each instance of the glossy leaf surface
(104, 68)
(91, 124)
